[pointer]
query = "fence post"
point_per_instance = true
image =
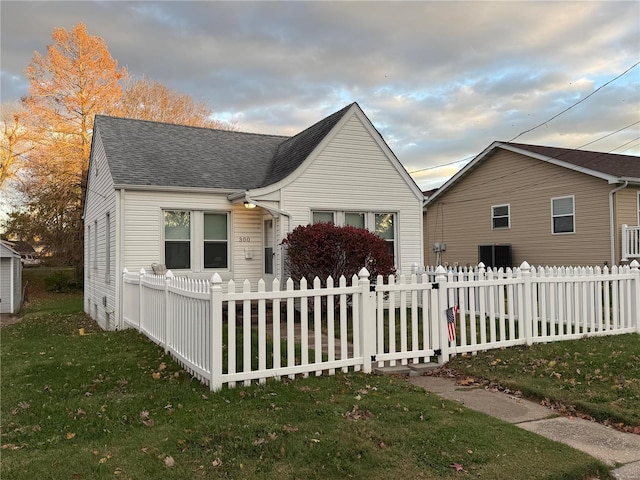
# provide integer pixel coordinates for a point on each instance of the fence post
(140, 299)
(367, 320)
(441, 285)
(525, 269)
(215, 344)
(625, 243)
(123, 301)
(635, 305)
(168, 317)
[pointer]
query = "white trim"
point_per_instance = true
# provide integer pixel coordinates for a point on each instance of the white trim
(508, 215)
(573, 215)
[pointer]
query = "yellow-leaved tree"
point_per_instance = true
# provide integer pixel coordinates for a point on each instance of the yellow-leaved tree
(68, 86)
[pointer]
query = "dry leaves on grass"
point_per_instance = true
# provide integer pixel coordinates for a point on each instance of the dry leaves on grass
(357, 414)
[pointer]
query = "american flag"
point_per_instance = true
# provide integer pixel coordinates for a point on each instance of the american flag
(451, 322)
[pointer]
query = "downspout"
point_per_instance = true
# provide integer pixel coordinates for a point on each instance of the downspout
(612, 227)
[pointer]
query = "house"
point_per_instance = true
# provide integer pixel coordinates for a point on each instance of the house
(544, 205)
(10, 280)
(203, 201)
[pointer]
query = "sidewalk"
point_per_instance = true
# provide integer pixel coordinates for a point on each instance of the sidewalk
(617, 449)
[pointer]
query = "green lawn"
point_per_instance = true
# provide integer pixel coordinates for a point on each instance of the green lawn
(597, 377)
(112, 404)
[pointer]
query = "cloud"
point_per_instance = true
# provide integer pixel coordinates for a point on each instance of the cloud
(440, 80)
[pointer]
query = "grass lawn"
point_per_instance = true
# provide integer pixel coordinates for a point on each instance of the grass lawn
(596, 377)
(112, 404)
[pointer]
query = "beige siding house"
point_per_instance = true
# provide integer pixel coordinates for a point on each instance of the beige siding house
(203, 201)
(544, 205)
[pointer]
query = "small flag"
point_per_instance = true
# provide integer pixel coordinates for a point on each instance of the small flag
(451, 322)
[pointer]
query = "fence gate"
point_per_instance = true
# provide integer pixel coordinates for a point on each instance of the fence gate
(406, 326)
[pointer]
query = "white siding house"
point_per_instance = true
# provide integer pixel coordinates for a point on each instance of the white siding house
(10, 280)
(179, 196)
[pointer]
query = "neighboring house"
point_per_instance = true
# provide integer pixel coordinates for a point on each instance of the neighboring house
(544, 205)
(10, 280)
(203, 201)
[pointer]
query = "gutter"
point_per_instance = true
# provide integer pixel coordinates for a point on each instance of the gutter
(612, 228)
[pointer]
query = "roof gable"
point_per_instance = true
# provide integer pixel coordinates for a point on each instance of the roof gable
(613, 168)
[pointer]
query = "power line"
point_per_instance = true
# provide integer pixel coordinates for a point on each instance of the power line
(578, 102)
(547, 121)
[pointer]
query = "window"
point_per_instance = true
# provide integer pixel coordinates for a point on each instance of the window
(177, 239)
(107, 248)
(386, 230)
(95, 245)
(500, 217)
(216, 243)
(323, 217)
(563, 215)
(268, 247)
(88, 240)
(354, 219)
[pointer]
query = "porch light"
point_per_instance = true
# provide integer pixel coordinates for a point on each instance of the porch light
(249, 205)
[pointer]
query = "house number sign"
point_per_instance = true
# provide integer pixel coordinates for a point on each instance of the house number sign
(245, 239)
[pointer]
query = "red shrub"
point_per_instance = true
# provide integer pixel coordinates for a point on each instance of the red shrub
(323, 250)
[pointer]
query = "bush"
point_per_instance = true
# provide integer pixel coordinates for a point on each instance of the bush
(324, 250)
(60, 281)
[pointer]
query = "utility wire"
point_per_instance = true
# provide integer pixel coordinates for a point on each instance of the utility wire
(547, 121)
(578, 102)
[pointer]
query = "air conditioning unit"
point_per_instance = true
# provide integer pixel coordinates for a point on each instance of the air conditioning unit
(495, 255)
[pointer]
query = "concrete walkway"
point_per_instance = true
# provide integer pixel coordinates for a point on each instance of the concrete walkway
(617, 449)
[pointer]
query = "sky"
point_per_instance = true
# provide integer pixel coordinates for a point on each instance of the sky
(439, 80)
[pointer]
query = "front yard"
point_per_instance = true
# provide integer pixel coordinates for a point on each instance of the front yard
(112, 404)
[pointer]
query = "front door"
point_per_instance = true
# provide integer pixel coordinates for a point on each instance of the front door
(269, 254)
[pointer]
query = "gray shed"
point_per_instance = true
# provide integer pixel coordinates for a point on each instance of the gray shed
(10, 280)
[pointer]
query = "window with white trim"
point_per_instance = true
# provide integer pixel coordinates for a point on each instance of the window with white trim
(500, 216)
(107, 248)
(355, 219)
(216, 240)
(323, 217)
(563, 215)
(177, 239)
(385, 228)
(95, 245)
(382, 224)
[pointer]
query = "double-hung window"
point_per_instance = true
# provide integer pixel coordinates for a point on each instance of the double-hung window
(216, 243)
(177, 239)
(323, 217)
(385, 228)
(500, 216)
(354, 219)
(563, 215)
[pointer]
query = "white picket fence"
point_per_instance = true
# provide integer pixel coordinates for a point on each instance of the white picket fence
(223, 335)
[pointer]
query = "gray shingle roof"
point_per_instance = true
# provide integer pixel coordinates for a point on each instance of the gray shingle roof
(145, 153)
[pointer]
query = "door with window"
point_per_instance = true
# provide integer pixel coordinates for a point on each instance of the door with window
(269, 253)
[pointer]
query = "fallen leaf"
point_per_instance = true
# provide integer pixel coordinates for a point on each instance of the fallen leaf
(162, 366)
(70, 435)
(289, 428)
(216, 463)
(149, 422)
(169, 462)
(156, 375)
(457, 467)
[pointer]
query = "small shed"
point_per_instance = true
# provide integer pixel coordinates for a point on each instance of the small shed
(10, 280)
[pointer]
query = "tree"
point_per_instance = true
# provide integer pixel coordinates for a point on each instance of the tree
(149, 100)
(324, 250)
(76, 80)
(15, 141)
